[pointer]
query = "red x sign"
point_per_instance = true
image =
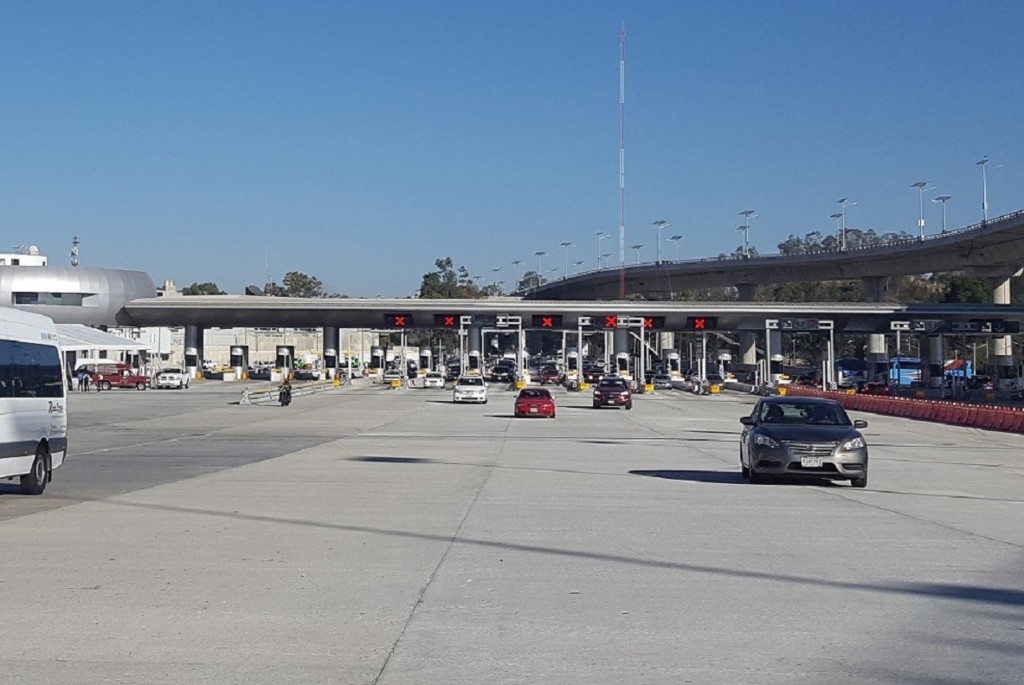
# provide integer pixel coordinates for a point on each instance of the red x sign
(648, 322)
(449, 321)
(611, 321)
(399, 321)
(699, 324)
(546, 322)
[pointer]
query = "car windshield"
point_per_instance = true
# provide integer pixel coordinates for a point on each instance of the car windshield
(171, 371)
(471, 381)
(534, 394)
(809, 413)
(618, 383)
(433, 375)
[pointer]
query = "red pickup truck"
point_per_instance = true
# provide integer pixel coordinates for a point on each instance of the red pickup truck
(107, 376)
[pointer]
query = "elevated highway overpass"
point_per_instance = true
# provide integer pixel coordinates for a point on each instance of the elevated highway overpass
(993, 249)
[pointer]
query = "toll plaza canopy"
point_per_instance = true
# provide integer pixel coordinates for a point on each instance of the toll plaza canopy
(74, 337)
(210, 311)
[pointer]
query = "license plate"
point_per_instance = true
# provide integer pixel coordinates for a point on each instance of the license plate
(611, 401)
(533, 410)
(810, 462)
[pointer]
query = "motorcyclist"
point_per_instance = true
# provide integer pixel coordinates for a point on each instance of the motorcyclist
(284, 393)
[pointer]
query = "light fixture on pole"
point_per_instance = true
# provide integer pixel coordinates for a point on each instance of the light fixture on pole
(637, 247)
(538, 255)
(921, 187)
(838, 216)
(516, 263)
(983, 163)
(578, 265)
(675, 239)
(844, 202)
(601, 235)
(943, 199)
(605, 257)
(659, 225)
(566, 245)
(746, 214)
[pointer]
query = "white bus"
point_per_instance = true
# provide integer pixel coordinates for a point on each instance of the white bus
(33, 401)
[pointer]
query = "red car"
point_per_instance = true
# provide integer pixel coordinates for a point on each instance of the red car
(535, 402)
(549, 374)
(875, 389)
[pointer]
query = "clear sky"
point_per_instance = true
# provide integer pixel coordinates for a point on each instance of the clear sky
(358, 142)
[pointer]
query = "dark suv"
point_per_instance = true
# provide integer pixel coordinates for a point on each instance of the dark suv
(613, 391)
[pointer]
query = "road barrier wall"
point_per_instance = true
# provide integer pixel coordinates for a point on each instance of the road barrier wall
(997, 418)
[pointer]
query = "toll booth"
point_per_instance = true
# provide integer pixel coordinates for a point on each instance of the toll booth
(725, 363)
(377, 360)
(426, 359)
(239, 361)
(673, 362)
(475, 363)
(622, 365)
(192, 361)
(775, 367)
(331, 363)
(572, 362)
(284, 362)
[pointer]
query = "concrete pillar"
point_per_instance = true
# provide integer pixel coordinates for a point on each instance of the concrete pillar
(1003, 345)
(778, 354)
(875, 288)
(331, 344)
(193, 350)
(666, 341)
(936, 361)
(878, 355)
(475, 344)
(621, 340)
(748, 349)
(746, 291)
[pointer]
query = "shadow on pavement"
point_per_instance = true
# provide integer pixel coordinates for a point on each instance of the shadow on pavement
(698, 476)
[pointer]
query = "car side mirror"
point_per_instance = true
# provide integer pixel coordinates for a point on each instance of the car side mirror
(860, 423)
(747, 420)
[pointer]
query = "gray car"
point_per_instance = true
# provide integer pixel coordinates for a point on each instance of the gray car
(803, 436)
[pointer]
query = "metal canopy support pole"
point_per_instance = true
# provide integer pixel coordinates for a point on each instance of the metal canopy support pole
(704, 355)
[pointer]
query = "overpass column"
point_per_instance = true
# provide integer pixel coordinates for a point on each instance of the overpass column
(746, 291)
(778, 353)
(748, 350)
(1003, 357)
(932, 361)
(875, 288)
(475, 344)
(193, 349)
(331, 351)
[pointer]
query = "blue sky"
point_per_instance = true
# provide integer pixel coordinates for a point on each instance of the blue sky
(358, 142)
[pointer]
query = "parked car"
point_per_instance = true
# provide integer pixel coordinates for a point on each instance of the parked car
(470, 389)
(875, 389)
(433, 379)
(613, 391)
(171, 378)
(662, 381)
(392, 375)
(503, 373)
(535, 402)
(803, 436)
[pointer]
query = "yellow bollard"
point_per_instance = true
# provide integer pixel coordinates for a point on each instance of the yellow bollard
(782, 390)
(520, 385)
(715, 389)
(648, 387)
(584, 387)
(395, 383)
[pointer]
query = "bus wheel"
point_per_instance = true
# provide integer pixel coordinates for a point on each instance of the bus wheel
(34, 482)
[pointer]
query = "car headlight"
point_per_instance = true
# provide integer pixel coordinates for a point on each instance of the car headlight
(766, 441)
(855, 444)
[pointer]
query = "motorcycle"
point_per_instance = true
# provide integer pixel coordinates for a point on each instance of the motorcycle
(285, 395)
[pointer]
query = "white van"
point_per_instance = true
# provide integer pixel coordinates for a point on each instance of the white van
(33, 400)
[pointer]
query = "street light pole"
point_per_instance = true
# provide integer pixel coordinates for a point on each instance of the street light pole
(601, 235)
(675, 239)
(566, 245)
(516, 263)
(637, 248)
(838, 217)
(538, 255)
(843, 202)
(983, 163)
(659, 225)
(921, 187)
(943, 199)
(746, 214)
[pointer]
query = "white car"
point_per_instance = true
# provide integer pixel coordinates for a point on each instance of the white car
(470, 389)
(171, 378)
(433, 380)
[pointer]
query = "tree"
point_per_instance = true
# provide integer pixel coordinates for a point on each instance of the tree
(297, 284)
(202, 289)
(448, 283)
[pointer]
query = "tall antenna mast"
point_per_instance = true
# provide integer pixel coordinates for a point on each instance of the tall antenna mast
(622, 162)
